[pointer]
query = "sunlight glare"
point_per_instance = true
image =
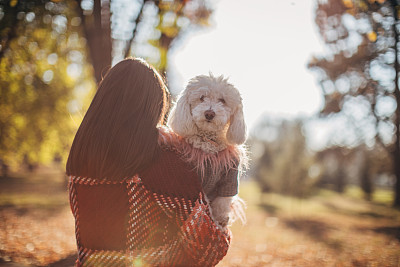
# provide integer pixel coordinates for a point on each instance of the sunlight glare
(263, 49)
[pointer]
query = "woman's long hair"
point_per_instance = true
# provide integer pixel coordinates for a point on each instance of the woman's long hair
(118, 135)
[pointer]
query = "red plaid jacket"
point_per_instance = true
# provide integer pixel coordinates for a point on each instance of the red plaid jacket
(158, 218)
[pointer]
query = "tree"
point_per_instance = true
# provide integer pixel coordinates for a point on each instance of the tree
(285, 165)
(45, 80)
(45, 83)
(96, 23)
(334, 163)
(147, 31)
(359, 74)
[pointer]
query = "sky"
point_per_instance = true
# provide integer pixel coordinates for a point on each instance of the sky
(263, 46)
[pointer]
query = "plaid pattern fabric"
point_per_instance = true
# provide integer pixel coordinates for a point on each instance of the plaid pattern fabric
(160, 230)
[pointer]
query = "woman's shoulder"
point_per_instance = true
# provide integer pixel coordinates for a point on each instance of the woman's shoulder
(168, 140)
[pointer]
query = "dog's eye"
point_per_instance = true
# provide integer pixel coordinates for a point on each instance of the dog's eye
(222, 100)
(202, 98)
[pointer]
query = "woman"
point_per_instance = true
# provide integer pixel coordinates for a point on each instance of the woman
(136, 201)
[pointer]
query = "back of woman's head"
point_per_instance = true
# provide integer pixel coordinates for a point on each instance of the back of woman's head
(118, 135)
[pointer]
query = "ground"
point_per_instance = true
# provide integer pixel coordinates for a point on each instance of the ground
(327, 229)
(36, 225)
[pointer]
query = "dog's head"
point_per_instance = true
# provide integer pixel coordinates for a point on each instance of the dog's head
(209, 104)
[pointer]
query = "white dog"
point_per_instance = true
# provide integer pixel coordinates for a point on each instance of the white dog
(209, 116)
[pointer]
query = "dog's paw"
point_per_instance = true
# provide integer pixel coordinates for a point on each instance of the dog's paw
(223, 222)
(220, 209)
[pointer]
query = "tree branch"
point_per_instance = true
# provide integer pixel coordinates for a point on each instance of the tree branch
(138, 18)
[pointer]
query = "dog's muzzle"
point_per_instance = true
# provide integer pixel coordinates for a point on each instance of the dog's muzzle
(209, 114)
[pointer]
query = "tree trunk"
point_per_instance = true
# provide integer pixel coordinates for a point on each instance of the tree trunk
(396, 149)
(340, 180)
(4, 169)
(97, 30)
(165, 44)
(366, 181)
(396, 158)
(8, 24)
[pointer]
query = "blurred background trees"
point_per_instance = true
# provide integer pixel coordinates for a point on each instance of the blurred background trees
(118, 29)
(285, 165)
(45, 81)
(52, 54)
(358, 77)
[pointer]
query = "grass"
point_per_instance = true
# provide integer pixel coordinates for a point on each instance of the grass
(32, 200)
(43, 189)
(327, 229)
(382, 196)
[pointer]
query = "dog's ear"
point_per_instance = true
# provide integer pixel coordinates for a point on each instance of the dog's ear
(180, 118)
(237, 131)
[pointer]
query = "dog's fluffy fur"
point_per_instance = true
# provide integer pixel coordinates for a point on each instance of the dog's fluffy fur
(209, 116)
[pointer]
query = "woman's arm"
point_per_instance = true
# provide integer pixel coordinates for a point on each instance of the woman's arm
(202, 240)
(176, 189)
(197, 240)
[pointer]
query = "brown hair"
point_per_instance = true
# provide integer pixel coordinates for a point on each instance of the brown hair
(118, 135)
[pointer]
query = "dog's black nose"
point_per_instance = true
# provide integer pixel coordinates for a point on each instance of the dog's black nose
(209, 114)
